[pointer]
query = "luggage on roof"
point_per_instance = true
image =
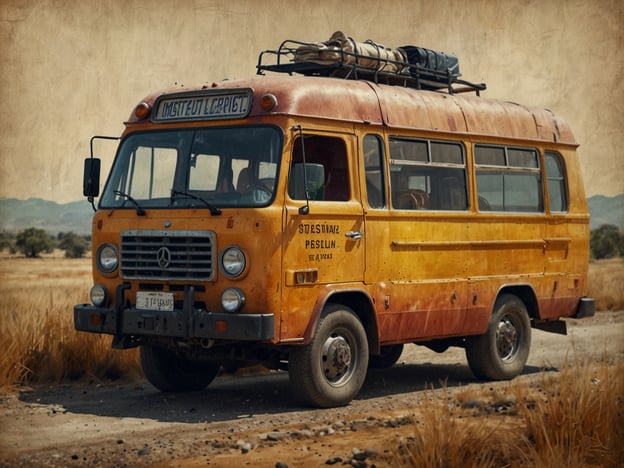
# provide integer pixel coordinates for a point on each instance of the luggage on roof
(342, 49)
(431, 60)
(343, 57)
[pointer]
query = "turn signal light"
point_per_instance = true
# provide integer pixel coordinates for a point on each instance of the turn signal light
(142, 110)
(268, 102)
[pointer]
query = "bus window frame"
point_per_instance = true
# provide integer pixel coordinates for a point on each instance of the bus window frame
(509, 169)
(564, 191)
(309, 159)
(421, 197)
(382, 167)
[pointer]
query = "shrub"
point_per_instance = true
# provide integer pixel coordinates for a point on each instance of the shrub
(32, 242)
(74, 245)
(7, 241)
(606, 242)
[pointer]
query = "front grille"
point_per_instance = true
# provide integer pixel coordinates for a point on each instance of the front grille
(167, 255)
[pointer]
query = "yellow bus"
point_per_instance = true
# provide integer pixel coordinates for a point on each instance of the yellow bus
(316, 223)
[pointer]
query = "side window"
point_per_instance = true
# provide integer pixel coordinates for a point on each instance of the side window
(557, 186)
(508, 179)
(372, 147)
(326, 171)
(427, 175)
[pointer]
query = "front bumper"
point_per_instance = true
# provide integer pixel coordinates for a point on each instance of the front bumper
(187, 322)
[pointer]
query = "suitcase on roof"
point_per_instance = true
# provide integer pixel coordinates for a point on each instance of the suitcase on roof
(438, 62)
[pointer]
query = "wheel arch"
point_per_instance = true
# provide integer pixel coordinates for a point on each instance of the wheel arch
(361, 304)
(525, 293)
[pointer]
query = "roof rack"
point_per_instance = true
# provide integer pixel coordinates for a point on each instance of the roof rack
(377, 64)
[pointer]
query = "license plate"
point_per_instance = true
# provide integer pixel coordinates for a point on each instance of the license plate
(150, 300)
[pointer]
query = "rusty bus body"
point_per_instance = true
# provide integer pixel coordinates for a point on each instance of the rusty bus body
(378, 215)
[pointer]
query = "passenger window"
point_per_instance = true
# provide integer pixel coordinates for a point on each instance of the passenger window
(446, 153)
(203, 171)
(372, 147)
(522, 158)
(508, 179)
(427, 175)
(490, 156)
(557, 187)
(408, 150)
(331, 155)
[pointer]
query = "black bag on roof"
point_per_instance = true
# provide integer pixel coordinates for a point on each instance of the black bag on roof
(438, 62)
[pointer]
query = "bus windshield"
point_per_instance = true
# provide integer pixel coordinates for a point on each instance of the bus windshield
(213, 167)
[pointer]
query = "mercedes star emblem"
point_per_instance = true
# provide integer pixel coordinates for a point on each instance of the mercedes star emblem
(163, 257)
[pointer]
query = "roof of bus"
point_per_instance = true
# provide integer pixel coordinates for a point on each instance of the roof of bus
(395, 106)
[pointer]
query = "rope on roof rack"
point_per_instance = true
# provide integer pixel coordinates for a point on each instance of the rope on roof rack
(343, 57)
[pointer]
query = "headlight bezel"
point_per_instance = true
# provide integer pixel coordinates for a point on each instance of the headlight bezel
(233, 262)
(109, 264)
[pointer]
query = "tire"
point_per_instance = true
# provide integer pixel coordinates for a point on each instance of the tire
(330, 370)
(387, 358)
(170, 373)
(502, 352)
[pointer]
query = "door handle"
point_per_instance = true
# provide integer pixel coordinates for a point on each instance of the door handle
(354, 235)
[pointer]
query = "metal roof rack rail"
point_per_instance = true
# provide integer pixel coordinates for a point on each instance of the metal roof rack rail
(408, 66)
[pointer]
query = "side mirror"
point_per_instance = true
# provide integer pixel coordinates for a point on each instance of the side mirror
(91, 178)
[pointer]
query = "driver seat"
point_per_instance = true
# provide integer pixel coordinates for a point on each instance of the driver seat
(246, 180)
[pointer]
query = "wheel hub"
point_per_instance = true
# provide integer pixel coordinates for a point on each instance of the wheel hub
(506, 339)
(336, 357)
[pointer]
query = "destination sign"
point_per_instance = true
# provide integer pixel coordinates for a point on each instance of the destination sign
(204, 106)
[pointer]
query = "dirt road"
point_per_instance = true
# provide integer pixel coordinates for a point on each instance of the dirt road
(253, 420)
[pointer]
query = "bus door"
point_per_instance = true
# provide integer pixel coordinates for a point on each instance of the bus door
(324, 237)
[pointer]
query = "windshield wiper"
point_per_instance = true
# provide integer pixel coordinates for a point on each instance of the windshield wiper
(214, 211)
(140, 211)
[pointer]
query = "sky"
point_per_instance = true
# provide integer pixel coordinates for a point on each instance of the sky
(71, 69)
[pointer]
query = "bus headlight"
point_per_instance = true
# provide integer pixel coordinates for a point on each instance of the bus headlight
(99, 295)
(233, 261)
(232, 299)
(107, 258)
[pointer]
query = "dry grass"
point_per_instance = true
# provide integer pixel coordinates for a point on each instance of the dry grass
(578, 417)
(606, 278)
(444, 437)
(39, 342)
(574, 418)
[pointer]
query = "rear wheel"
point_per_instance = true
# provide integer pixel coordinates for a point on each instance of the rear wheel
(502, 352)
(330, 370)
(170, 373)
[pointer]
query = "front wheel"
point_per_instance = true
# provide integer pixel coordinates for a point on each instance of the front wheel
(170, 373)
(330, 370)
(502, 352)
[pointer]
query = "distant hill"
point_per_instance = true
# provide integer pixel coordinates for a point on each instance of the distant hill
(16, 215)
(606, 210)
